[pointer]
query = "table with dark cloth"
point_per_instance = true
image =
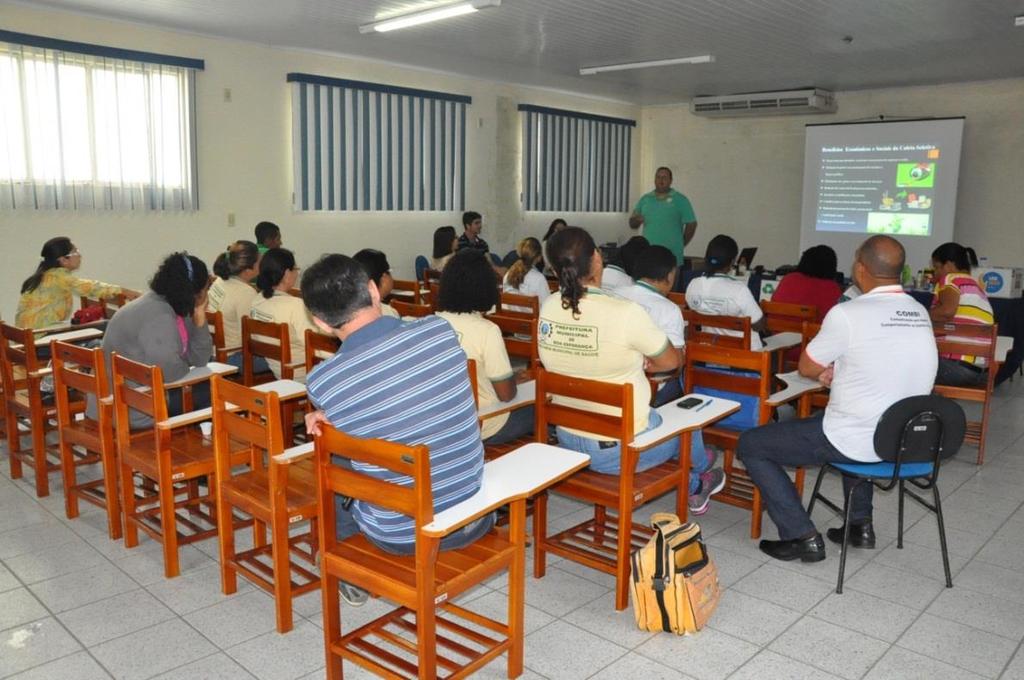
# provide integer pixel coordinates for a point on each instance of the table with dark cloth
(1009, 313)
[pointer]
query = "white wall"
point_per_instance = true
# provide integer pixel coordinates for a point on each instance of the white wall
(744, 175)
(245, 163)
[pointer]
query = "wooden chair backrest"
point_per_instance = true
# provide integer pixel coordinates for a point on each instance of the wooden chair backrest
(411, 309)
(698, 325)
(704, 364)
(110, 305)
(808, 329)
(254, 421)
(578, 416)
(430, 276)
(513, 304)
(552, 284)
(136, 386)
(215, 322)
(268, 340)
(319, 347)
(295, 292)
(406, 291)
(471, 370)
(80, 369)
(968, 339)
(520, 336)
(434, 294)
(781, 317)
(415, 500)
(17, 349)
(679, 299)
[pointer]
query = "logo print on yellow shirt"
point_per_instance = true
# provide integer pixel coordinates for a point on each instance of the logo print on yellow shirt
(575, 339)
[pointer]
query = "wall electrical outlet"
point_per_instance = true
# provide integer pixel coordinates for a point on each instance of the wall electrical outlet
(231, 219)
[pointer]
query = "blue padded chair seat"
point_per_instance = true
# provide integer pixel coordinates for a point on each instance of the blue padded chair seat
(884, 470)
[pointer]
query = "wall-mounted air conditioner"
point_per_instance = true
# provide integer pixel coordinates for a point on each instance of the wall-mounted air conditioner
(812, 100)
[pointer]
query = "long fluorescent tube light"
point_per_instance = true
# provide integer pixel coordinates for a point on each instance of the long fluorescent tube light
(428, 15)
(702, 59)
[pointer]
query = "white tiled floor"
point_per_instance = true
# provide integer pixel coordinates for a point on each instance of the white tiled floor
(75, 605)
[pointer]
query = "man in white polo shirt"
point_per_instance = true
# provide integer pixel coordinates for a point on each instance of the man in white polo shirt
(873, 351)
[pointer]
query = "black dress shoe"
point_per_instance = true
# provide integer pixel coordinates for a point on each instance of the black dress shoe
(861, 535)
(803, 549)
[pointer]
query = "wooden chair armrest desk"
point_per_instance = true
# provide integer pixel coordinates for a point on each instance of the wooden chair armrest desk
(285, 389)
(604, 541)
(427, 582)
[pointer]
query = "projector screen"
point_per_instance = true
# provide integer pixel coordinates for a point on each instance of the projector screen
(884, 177)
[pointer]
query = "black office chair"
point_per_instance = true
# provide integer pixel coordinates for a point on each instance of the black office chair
(912, 437)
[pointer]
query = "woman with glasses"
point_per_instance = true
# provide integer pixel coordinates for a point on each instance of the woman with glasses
(47, 297)
(275, 304)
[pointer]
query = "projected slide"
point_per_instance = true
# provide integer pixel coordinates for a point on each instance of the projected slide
(878, 189)
(881, 177)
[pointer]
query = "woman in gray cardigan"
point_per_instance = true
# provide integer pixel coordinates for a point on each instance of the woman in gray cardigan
(166, 327)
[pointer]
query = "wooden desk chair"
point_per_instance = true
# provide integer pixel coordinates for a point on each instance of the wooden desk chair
(552, 284)
(172, 452)
(427, 582)
(600, 542)
(698, 329)
(221, 352)
(679, 299)
(23, 373)
(808, 330)
(523, 306)
(319, 347)
(971, 340)
(429, 276)
(109, 305)
(276, 494)
(717, 368)
(432, 296)
(405, 291)
(270, 341)
(520, 336)
(415, 310)
(79, 372)
(782, 317)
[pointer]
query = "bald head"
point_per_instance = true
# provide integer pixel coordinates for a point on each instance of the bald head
(882, 256)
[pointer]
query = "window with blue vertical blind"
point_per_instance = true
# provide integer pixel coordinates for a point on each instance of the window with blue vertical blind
(371, 147)
(575, 162)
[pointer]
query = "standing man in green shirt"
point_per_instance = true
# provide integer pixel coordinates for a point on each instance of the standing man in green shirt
(666, 215)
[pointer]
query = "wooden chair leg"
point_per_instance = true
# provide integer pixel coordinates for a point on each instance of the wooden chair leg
(623, 547)
(332, 620)
(282, 573)
(517, 588)
(259, 533)
(755, 514)
(685, 462)
(113, 497)
(226, 547)
(128, 502)
(13, 444)
(426, 612)
(39, 457)
(540, 534)
(69, 475)
(168, 525)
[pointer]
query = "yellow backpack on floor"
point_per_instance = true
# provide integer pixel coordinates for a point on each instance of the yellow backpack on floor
(675, 583)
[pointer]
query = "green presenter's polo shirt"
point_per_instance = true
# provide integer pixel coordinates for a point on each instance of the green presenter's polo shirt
(664, 220)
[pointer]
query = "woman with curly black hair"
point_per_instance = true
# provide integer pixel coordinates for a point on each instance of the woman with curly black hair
(469, 287)
(276, 304)
(166, 327)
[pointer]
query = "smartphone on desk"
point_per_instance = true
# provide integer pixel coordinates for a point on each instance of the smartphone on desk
(690, 402)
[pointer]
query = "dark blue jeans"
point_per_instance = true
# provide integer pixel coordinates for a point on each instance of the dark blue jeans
(767, 450)
(519, 424)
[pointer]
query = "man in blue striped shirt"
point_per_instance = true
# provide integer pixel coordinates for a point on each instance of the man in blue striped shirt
(402, 382)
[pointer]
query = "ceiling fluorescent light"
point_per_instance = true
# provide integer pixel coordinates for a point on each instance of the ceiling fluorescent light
(428, 15)
(702, 59)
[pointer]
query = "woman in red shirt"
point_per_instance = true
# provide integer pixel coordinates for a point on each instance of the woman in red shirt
(813, 282)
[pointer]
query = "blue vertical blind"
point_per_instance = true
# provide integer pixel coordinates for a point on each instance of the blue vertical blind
(575, 162)
(365, 146)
